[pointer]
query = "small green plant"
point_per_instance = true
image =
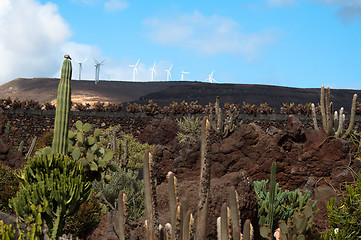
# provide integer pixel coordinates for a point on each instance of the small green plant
(190, 130)
(86, 148)
(125, 143)
(275, 205)
(345, 216)
(124, 180)
(34, 227)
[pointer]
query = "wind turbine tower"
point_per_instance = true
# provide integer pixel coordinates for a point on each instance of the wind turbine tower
(97, 69)
(168, 73)
(210, 77)
(183, 72)
(135, 70)
(152, 69)
(81, 66)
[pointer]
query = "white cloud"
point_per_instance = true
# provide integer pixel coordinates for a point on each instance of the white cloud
(115, 5)
(281, 3)
(33, 39)
(208, 35)
(30, 35)
(349, 10)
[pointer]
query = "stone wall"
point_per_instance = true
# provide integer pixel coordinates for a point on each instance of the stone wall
(26, 124)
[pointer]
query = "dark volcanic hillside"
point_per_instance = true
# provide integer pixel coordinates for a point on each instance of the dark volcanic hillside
(164, 93)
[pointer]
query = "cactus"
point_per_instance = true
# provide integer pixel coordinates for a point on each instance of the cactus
(86, 149)
(333, 126)
(225, 222)
(63, 103)
(272, 193)
(55, 182)
(226, 126)
(299, 226)
(205, 181)
(247, 230)
(7, 129)
(281, 207)
(151, 226)
(21, 146)
(188, 224)
(234, 211)
(31, 148)
(173, 200)
(122, 224)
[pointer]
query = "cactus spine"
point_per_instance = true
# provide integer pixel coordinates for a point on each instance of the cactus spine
(205, 182)
(63, 104)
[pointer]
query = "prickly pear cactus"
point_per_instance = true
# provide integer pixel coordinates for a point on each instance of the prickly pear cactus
(281, 206)
(299, 225)
(85, 147)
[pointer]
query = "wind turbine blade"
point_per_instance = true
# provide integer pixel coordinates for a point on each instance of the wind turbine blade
(85, 60)
(137, 62)
(170, 67)
(96, 62)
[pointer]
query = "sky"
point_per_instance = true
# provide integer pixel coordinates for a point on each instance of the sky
(293, 43)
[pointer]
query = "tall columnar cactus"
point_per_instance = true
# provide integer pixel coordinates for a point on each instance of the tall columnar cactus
(234, 210)
(205, 182)
(272, 192)
(247, 230)
(225, 223)
(173, 200)
(333, 125)
(122, 227)
(150, 199)
(63, 105)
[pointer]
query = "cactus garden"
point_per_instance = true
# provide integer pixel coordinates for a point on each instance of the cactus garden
(197, 172)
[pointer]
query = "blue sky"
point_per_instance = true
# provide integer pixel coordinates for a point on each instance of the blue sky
(294, 43)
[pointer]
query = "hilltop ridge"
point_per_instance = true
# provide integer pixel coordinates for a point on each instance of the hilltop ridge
(164, 93)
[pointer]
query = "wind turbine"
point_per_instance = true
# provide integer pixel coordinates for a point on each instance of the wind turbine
(183, 72)
(81, 66)
(152, 69)
(210, 77)
(135, 70)
(168, 73)
(97, 69)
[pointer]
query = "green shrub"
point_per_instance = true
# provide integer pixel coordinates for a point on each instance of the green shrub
(136, 149)
(125, 180)
(54, 183)
(345, 216)
(85, 219)
(190, 130)
(9, 185)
